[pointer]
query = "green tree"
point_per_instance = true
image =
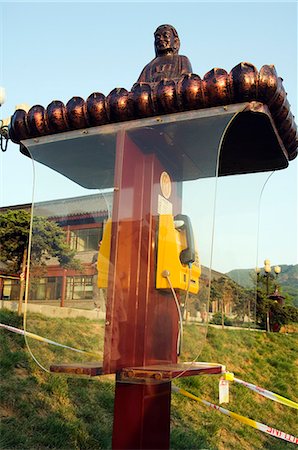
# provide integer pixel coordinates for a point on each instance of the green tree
(49, 240)
(278, 314)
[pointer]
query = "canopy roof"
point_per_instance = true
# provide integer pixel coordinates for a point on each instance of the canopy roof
(244, 83)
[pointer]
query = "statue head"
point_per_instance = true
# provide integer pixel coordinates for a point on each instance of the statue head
(166, 40)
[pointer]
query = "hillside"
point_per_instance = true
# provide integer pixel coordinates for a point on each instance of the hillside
(287, 280)
(43, 411)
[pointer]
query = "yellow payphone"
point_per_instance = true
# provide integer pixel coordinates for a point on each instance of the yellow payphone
(103, 259)
(177, 256)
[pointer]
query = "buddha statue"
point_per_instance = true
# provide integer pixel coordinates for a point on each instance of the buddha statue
(167, 63)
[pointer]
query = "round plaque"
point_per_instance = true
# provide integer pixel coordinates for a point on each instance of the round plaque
(165, 184)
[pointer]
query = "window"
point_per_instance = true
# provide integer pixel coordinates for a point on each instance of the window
(10, 289)
(45, 288)
(85, 239)
(79, 288)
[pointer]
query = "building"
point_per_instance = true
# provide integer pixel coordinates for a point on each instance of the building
(83, 220)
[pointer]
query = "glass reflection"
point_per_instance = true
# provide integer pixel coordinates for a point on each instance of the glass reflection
(64, 302)
(146, 267)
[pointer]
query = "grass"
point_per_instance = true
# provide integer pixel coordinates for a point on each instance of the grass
(44, 411)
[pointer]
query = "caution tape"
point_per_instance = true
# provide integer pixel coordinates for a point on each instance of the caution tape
(9, 277)
(42, 339)
(264, 392)
(252, 423)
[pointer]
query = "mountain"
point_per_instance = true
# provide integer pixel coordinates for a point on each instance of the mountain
(287, 280)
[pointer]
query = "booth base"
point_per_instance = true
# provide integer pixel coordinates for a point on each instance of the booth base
(147, 374)
(167, 372)
(91, 369)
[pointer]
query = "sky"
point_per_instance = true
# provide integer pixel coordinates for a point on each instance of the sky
(57, 50)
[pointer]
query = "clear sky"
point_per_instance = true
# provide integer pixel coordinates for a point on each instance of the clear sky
(55, 50)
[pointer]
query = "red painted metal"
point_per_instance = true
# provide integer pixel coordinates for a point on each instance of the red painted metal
(141, 323)
(142, 416)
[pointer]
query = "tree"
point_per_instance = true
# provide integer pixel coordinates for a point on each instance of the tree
(49, 240)
(278, 314)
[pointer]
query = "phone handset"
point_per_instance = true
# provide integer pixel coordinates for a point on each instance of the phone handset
(176, 252)
(188, 255)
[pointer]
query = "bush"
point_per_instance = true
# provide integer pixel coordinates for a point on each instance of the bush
(217, 319)
(282, 315)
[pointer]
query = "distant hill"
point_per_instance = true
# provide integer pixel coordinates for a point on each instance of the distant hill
(287, 280)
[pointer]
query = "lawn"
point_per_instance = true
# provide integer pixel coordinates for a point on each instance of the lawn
(45, 411)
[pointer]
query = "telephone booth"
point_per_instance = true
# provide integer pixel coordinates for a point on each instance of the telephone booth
(150, 258)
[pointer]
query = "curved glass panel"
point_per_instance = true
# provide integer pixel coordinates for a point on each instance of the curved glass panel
(65, 304)
(235, 252)
(146, 191)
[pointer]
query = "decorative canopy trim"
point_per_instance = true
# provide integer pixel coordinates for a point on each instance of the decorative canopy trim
(244, 83)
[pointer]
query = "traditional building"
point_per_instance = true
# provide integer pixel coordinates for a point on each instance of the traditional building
(83, 219)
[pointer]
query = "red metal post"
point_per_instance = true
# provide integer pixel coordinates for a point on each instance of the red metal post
(142, 416)
(141, 322)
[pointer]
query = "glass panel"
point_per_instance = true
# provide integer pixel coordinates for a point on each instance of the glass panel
(146, 266)
(65, 308)
(159, 278)
(233, 287)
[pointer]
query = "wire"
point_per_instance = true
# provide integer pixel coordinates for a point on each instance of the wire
(166, 274)
(187, 291)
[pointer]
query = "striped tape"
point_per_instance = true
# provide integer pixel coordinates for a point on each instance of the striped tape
(268, 394)
(252, 423)
(42, 339)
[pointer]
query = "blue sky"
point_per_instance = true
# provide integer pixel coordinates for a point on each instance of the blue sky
(55, 50)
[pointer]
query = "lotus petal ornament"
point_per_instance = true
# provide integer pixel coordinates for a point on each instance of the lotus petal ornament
(267, 84)
(279, 100)
(166, 97)
(119, 105)
(77, 113)
(142, 98)
(216, 87)
(190, 92)
(37, 120)
(19, 126)
(96, 109)
(57, 115)
(243, 82)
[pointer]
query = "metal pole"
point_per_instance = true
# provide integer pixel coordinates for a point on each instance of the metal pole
(268, 306)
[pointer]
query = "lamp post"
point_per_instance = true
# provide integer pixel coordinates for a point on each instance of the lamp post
(2, 95)
(267, 271)
(3, 123)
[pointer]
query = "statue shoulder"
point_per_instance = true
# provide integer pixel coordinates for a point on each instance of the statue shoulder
(144, 74)
(185, 64)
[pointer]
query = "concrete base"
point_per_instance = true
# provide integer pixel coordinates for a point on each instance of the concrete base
(54, 311)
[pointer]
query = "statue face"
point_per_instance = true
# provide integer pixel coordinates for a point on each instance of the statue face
(164, 41)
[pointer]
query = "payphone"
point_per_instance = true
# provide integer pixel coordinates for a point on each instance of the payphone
(176, 254)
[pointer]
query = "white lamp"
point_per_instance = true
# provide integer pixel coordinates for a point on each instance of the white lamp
(2, 95)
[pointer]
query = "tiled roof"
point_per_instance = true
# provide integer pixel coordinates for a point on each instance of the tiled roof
(95, 204)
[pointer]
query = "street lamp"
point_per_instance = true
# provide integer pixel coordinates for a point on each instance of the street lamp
(3, 124)
(2, 95)
(267, 270)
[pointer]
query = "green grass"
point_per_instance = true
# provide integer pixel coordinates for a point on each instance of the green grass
(44, 411)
